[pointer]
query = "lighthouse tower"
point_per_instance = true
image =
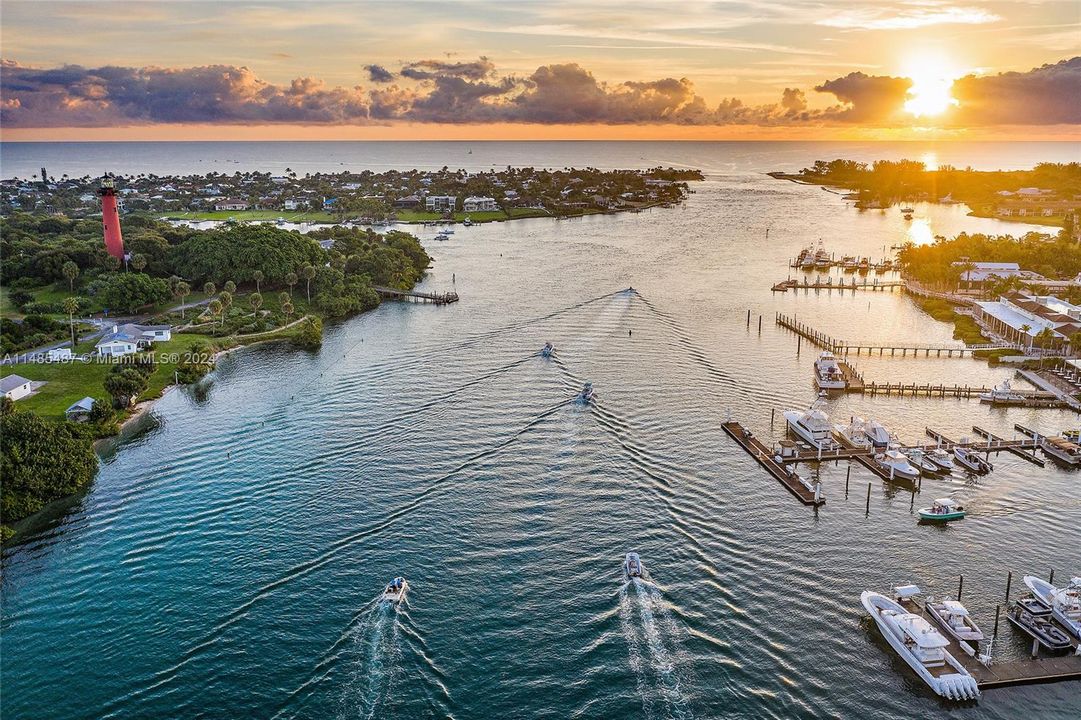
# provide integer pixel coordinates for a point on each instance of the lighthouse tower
(110, 219)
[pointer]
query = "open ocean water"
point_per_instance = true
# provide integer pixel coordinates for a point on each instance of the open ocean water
(228, 562)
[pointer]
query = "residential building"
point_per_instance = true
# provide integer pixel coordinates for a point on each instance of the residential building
(132, 337)
(291, 204)
(474, 203)
(231, 204)
(1020, 317)
(440, 203)
(983, 271)
(80, 411)
(408, 202)
(15, 387)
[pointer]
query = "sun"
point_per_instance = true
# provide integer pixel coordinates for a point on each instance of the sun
(932, 79)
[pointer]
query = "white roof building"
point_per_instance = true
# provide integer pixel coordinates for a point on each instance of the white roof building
(15, 387)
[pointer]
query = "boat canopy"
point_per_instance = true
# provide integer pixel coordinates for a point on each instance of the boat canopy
(954, 608)
(920, 630)
(945, 502)
(907, 591)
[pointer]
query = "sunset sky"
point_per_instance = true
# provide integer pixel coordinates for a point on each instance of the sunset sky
(555, 69)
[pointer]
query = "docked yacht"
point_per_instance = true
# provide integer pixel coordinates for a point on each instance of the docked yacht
(941, 458)
(1065, 603)
(897, 465)
(1002, 394)
(864, 266)
(547, 350)
(853, 435)
(812, 426)
(970, 460)
(1039, 626)
(877, 434)
(955, 620)
(849, 263)
(632, 566)
(942, 510)
(921, 646)
(395, 590)
(921, 460)
(587, 393)
(1062, 449)
(828, 374)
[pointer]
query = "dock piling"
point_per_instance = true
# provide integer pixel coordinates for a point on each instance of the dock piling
(1051, 579)
(867, 510)
(772, 414)
(997, 608)
(1009, 579)
(960, 586)
(748, 319)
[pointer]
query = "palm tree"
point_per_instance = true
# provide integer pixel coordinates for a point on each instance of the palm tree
(230, 287)
(71, 271)
(291, 280)
(216, 308)
(138, 261)
(71, 306)
(182, 291)
(288, 310)
(256, 301)
(209, 288)
(308, 271)
(1024, 330)
(283, 297)
(257, 276)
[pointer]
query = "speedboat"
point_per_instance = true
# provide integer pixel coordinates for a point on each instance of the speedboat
(941, 458)
(897, 465)
(853, 436)
(467, 222)
(395, 590)
(812, 426)
(587, 393)
(442, 235)
(1039, 626)
(878, 435)
(828, 375)
(942, 510)
(955, 620)
(1062, 449)
(1002, 394)
(632, 566)
(1065, 603)
(448, 230)
(970, 459)
(922, 461)
(922, 647)
(547, 350)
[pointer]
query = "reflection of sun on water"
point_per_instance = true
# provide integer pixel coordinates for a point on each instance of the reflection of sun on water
(930, 161)
(932, 78)
(919, 232)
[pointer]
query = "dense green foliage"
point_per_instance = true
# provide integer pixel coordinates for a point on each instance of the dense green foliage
(41, 461)
(127, 292)
(1052, 257)
(237, 253)
(33, 331)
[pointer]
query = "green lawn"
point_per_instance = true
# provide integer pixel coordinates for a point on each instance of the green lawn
(69, 382)
(244, 215)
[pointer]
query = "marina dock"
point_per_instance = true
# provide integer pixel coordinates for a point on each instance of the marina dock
(876, 284)
(1030, 456)
(1048, 668)
(841, 347)
(746, 439)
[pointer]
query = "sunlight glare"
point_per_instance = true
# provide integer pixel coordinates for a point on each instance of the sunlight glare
(932, 79)
(919, 232)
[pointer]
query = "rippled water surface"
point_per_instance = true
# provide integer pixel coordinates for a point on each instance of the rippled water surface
(228, 563)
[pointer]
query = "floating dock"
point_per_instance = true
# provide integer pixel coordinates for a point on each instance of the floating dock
(1050, 668)
(765, 458)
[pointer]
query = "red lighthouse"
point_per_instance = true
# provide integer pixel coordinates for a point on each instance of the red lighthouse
(110, 219)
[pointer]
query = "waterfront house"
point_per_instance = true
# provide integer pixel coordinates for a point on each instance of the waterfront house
(475, 203)
(290, 204)
(231, 204)
(15, 387)
(407, 202)
(80, 411)
(131, 337)
(1020, 317)
(440, 203)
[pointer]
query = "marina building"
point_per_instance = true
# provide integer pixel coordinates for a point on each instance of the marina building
(1020, 318)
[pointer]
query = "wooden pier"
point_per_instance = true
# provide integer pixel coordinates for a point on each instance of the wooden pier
(1030, 456)
(990, 446)
(1050, 668)
(841, 347)
(765, 458)
(876, 284)
(444, 298)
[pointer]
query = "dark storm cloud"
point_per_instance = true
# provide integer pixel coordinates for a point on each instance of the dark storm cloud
(474, 92)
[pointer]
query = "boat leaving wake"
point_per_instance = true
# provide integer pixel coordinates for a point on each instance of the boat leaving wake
(652, 649)
(377, 654)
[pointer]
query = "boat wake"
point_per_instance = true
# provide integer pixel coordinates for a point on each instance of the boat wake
(652, 649)
(377, 656)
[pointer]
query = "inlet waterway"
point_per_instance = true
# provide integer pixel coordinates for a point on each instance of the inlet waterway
(228, 562)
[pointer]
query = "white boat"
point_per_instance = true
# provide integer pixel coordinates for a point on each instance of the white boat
(1065, 603)
(896, 464)
(942, 459)
(942, 510)
(922, 461)
(922, 647)
(1002, 394)
(632, 566)
(879, 436)
(442, 236)
(448, 230)
(1062, 449)
(853, 435)
(812, 426)
(970, 459)
(547, 350)
(1073, 435)
(955, 620)
(828, 374)
(587, 393)
(395, 590)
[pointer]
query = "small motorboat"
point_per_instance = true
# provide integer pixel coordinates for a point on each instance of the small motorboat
(547, 350)
(907, 210)
(922, 647)
(954, 619)
(441, 236)
(587, 393)
(1039, 626)
(1002, 394)
(632, 566)
(395, 590)
(1033, 606)
(467, 222)
(942, 459)
(908, 216)
(942, 510)
(896, 464)
(922, 461)
(1065, 603)
(448, 230)
(970, 459)
(879, 436)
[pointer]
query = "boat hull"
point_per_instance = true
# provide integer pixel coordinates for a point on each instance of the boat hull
(941, 517)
